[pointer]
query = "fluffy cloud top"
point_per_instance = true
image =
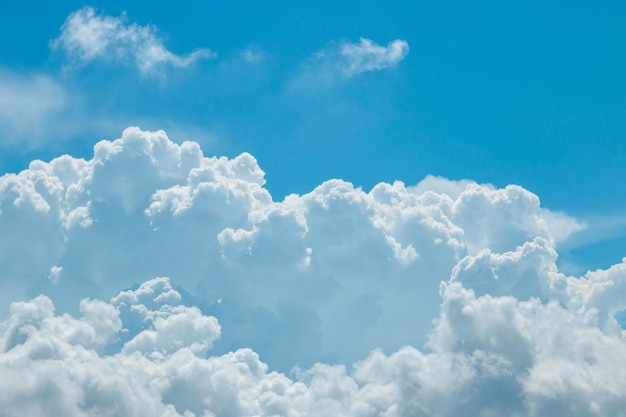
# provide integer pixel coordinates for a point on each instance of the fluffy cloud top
(86, 36)
(315, 280)
(336, 258)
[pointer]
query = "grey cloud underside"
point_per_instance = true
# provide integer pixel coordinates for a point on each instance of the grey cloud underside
(323, 277)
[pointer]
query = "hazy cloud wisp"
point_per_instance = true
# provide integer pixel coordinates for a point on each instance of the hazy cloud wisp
(367, 56)
(86, 36)
(28, 102)
(344, 60)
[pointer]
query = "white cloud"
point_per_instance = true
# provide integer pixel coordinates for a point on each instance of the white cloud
(86, 36)
(336, 258)
(343, 60)
(346, 59)
(155, 304)
(487, 356)
(367, 56)
(259, 285)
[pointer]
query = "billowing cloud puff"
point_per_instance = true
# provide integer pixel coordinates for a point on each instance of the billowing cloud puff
(86, 36)
(167, 328)
(445, 296)
(290, 276)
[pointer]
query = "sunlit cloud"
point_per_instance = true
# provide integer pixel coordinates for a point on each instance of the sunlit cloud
(193, 293)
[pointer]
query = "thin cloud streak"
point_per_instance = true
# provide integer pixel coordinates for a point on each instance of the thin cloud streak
(366, 56)
(340, 61)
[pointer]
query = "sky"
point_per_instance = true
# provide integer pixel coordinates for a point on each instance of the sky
(340, 208)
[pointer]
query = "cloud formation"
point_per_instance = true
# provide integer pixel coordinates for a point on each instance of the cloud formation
(86, 36)
(336, 258)
(445, 296)
(487, 356)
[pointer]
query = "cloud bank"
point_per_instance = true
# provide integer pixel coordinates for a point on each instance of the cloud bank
(488, 356)
(445, 295)
(86, 36)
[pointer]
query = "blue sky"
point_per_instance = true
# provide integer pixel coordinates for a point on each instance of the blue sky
(435, 187)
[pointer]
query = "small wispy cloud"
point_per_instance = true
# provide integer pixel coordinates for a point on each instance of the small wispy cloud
(344, 60)
(366, 56)
(348, 59)
(86, 36)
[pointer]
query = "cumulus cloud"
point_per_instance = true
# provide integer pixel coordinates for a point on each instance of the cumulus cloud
(487, 356)
(439, 299)
(171, 326)
(336, 258)
(87, 36)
